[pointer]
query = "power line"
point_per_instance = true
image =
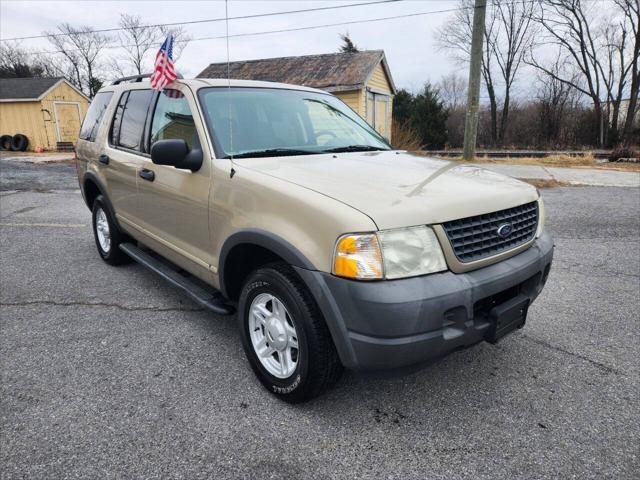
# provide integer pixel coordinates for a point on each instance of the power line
(350, 22)
(209, 20)
(295, 29)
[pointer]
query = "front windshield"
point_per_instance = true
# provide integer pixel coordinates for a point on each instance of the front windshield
(250, 121)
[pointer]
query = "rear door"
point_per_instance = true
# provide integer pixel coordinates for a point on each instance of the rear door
(125, 153)
(174, 202)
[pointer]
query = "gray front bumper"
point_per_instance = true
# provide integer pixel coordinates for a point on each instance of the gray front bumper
(398, 323)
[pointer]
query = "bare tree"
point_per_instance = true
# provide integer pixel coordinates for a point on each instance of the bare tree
(81, 48)
(137, 40)
(631, 12)
(180, 39)
(508, 36)
(554, 99)
(597, 47)
(16, 62)
(453, 90)
(69, 60)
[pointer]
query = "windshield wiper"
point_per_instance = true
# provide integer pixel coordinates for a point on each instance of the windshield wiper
(355, 148)
(271, 152)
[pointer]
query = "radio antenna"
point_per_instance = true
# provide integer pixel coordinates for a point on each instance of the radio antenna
(226, 15)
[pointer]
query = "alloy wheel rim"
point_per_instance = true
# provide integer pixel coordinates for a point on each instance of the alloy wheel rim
(102, 230)
(273, 335)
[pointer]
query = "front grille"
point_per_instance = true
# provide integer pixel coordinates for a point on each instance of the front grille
(476, 238)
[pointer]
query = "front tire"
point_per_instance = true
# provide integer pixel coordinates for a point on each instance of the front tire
(284, 336)
(107, 235)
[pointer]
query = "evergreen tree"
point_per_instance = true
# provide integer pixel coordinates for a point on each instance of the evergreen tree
(425, 113)
(402, 106)
(347, 44)
(429, 118)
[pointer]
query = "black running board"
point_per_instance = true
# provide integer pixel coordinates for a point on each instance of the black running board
(209, 299)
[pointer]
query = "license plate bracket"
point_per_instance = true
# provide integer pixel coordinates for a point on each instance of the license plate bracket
(507, 317)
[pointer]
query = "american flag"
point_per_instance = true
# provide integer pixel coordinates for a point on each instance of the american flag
(164, 72)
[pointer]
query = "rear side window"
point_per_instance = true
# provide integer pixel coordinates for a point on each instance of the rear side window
(129, 119)
(94, 116)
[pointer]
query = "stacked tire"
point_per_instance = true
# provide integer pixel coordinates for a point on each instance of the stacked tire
(15, 143)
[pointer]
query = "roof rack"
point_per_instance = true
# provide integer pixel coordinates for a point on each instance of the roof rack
(136, 78)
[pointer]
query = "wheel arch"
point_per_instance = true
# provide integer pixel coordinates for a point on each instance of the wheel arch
(248, 249)
(92, 186)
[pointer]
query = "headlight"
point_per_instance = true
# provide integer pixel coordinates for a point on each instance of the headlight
(408, 252)
(541, 217)
(390, 254)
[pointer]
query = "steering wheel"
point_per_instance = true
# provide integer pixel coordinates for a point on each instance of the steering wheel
(324, 133)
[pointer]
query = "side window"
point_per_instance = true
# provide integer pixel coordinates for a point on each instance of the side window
(117, 120)
(172, 119)
(94, 116)
(129, 119)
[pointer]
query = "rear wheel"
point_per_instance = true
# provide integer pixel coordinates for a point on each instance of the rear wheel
(107, 236)
(284, 335)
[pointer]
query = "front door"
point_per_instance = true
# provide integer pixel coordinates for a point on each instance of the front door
(68, 121)
(174, 202)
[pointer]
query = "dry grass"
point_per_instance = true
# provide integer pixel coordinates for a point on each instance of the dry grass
(544, 183)
(564, 161)
(405, 137)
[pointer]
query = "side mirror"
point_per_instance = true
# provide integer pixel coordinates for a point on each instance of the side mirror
(176, 153)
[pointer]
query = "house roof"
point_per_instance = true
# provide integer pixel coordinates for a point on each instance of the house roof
(29, 88)
(331, 71)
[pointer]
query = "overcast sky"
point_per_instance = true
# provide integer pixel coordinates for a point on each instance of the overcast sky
(408, 42)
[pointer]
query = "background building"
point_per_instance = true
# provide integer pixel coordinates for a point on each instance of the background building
(49, 111)
(360, 79)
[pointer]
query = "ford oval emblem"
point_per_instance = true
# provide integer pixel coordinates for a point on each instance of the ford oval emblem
(504, 230)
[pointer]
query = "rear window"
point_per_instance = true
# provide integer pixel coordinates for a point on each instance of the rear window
(129, 119)
(94, 116)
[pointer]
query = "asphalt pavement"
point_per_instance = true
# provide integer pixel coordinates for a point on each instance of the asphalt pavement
(110, 373)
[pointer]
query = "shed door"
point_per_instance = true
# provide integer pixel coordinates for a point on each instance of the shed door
(378, 112)
(67, 121)
(382, 102)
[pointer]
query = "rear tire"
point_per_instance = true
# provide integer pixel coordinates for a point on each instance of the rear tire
(107, 235)
(5, 142)
(19, 142)
(315, 366)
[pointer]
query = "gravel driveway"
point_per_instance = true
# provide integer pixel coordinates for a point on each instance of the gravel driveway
(110, 373)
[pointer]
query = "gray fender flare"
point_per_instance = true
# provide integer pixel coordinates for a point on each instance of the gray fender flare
(307, 272)
(264, 239)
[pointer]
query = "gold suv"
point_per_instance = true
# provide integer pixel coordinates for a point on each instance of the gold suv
(281, 203)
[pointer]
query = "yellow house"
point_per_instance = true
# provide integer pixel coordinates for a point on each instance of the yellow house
(361, 79)
(49, 111)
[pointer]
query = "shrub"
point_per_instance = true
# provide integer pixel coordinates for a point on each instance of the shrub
(623, 151)
(405, 137)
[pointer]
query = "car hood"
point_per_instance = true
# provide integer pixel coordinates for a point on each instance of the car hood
(398, 189)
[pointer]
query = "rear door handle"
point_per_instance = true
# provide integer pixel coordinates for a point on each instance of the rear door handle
(147, 174)
(104, 159)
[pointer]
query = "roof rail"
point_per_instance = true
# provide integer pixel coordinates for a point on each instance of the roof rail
(136, 78)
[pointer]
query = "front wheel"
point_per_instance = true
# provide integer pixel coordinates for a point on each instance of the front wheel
(284, 335)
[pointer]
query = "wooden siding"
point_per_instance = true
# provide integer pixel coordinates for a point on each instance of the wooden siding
(25, 118)
(37, 120)
(379, 80)
(355, 100)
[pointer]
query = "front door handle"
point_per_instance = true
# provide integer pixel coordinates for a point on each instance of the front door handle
(147, 174)
(104, 159)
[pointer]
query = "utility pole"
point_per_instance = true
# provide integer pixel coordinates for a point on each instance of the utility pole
(473, 95)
